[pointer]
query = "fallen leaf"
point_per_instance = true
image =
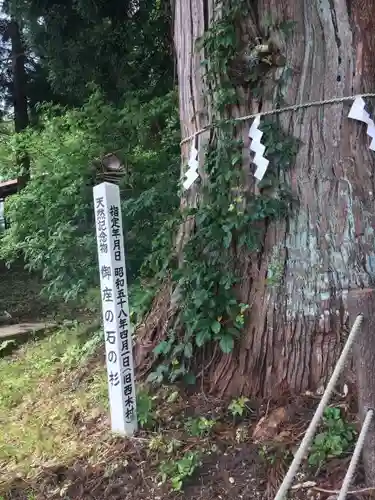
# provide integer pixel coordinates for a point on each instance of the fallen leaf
(283, 436)
(268, 426)
(300, 486)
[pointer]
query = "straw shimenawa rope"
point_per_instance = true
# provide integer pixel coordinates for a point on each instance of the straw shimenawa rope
(295, 107)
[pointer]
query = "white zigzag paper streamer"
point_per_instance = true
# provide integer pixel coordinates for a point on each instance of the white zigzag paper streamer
(192, 173)
(358, 112)
(255, 145)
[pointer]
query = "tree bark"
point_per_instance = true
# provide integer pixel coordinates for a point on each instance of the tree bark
(21, 116)
(294, 331)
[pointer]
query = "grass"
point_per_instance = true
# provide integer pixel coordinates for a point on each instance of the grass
(45, 407)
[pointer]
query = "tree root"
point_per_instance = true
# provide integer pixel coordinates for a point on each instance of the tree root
(351, 492)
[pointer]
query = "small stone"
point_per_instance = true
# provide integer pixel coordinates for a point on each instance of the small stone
(231, 480)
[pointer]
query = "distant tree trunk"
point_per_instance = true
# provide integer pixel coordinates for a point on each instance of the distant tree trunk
(294, 331)
(21, 117)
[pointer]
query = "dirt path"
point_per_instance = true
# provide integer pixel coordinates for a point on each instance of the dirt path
(8, 332)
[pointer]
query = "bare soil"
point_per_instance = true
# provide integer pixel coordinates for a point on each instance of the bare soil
(234, 474)
(125, 469)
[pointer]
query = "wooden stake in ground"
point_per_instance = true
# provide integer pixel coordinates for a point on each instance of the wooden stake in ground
(363, 302)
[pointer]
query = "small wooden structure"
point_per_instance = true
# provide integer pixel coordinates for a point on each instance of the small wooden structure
(7, 188)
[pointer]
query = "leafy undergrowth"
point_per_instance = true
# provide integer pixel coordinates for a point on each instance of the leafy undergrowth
(55, 441)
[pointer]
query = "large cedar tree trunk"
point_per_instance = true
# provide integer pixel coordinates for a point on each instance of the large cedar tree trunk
(19, 91)
(294, 332)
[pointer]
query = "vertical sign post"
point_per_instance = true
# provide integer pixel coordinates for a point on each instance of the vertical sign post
(114, 295)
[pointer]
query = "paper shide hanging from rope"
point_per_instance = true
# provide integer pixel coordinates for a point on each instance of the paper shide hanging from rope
(192, 172)
(360, 111)
(258, 148)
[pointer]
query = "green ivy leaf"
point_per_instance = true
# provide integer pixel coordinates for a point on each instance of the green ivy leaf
(176, 483)
(188, 350)
(320, 438)
(202, 337)
(163, 348)
(226, 343)
(227, 240)
(216, 327)
(189, 379)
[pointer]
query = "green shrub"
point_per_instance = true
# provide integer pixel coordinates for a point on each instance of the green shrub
(335, 439)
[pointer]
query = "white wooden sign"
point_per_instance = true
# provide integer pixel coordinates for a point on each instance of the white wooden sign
(114, 294)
